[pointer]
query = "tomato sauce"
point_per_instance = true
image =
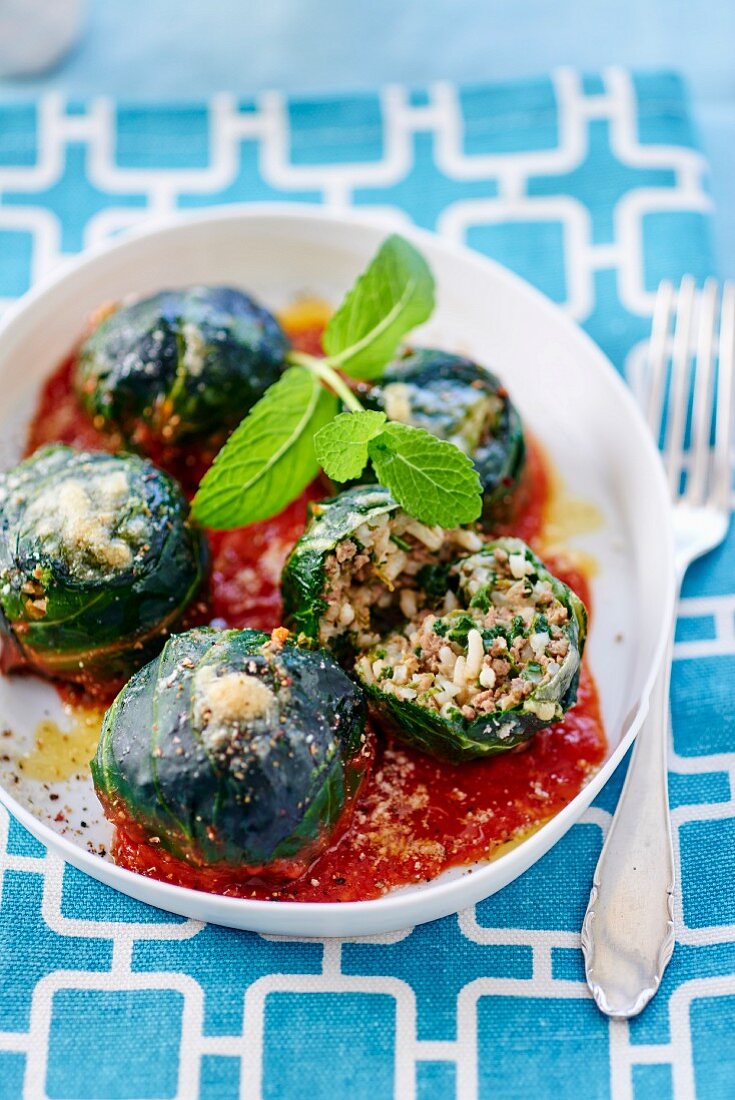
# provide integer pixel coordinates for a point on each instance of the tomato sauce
(415, 816)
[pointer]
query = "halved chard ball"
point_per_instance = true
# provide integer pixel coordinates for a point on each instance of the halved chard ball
(235, 749)
(97, 561)
(457, 400)
(362, 565)
(487, 675)
(180, 364)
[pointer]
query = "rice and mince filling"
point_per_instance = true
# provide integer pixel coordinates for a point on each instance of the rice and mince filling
(440, 619)
(490, 655)
(465, 646)
(382, 572)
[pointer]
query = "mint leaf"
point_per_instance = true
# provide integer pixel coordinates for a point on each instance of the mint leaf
(342, 445)
(392, 296)
(269, 459)
(430, 478)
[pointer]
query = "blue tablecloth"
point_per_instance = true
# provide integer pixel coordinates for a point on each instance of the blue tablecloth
(592, 188)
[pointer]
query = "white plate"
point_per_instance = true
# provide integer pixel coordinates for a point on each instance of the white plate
(569, 395)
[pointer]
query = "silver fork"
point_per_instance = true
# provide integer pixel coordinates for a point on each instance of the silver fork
(628, 930)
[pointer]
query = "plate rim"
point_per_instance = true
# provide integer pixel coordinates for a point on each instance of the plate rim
(385, 911)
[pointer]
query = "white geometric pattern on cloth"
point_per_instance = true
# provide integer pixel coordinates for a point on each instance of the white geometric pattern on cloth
(30, 204)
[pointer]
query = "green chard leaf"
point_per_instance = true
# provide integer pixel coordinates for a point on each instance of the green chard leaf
(392, 296)
(430, 478)
(342, 445)
(269, 459)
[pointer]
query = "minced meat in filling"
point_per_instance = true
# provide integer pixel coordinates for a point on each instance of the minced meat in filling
(384, 572)
(502, 640)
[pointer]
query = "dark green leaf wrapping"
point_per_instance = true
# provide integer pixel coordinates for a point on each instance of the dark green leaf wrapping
(72, 615)
(456, 738)
(181, 363)
(273, 789)
(304, 579)
(447, 395)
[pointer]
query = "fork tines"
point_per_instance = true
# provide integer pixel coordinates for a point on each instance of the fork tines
(688, 395)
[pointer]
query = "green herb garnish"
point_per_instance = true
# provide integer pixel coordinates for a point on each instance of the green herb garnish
(269, 459)
(296, 427)
(342, 446)
(432, 480)
(393, 296)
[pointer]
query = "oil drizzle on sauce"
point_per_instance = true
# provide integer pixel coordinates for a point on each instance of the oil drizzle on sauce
(567, 517)
(61, 751)
(305, 315)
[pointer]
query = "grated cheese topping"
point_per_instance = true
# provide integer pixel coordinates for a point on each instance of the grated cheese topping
(80, 521)
(195, 348)
(223, 703)
(397, 397)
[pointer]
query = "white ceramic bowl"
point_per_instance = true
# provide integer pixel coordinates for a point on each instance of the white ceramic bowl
(569, 395)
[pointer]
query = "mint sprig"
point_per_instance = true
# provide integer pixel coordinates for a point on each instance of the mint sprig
(269, 459)
(342, 445)
(430, 478)
(296, 427)
(393, 296)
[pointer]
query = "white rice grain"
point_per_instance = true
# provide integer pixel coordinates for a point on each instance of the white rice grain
(447, 656)
(475, 654)
(447, 687)
(487, 678)
(346, 614)
(407, 600)
(519, 567)
(432, 537)
(394, 564)
(538, 642)
(468, 540)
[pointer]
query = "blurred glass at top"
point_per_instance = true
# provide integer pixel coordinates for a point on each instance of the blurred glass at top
(36, 34)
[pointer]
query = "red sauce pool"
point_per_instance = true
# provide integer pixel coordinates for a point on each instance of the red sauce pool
(415, 816)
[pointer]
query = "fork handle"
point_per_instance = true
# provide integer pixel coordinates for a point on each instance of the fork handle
(628, 930)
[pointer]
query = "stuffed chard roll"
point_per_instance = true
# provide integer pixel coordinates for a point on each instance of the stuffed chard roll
(362, 565)
(465, 648)
(97, 560)
(484, 677)
(234, 751)
(179, 364)
(457, 400)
